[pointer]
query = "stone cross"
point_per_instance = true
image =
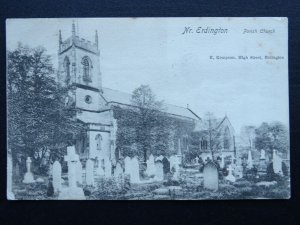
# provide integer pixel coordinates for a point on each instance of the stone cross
(230, 176)
(56, 176)
(72, 158)
(28, 178)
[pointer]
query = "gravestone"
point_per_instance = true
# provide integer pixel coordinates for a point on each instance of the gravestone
(150, 166)
(79, 172)
(166, 165)
(238, 171)
(56, 176)
(118, 170)
(230, 176)
(108, 166)
(277, 163)
(9, 193)
(28, 177)
(159, 171)
(262, 154)
(222, 162)
(173, 161)
(127, 165)
(135, 170)
(249, 160)
(90, 173)
(72, 192)
(210, 176)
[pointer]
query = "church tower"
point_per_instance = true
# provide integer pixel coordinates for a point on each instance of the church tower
(79, 70)
(79, 61)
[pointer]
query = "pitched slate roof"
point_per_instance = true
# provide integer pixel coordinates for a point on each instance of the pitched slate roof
(119, 97)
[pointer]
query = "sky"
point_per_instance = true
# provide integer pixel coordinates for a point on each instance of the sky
(177, 66)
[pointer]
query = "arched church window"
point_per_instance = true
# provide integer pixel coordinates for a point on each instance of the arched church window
(86, 65)
(203, 144)
(67, 70)
(227, 138)
(98, 141)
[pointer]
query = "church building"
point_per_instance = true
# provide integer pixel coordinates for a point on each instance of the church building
(79, 70)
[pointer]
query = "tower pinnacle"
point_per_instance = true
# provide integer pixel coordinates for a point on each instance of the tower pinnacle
(96, 38)
(73, 29)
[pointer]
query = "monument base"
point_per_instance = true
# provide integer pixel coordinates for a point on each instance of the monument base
(28, 178)
(230, 178)
(75, 193)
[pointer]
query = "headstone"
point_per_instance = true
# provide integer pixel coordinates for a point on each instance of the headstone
(108, 166)
(238, 171)
(135, 170)
(176, 173)
(277, 163)
(166, 165)
(56, 176)
(28, 177)
(262, 154)
(230, 176)
(210, 176)
(159, 171)
(9, 193)
(72, 192)
(150, 166)
(127, 165)
(249, 160)
(118, 170)
(79, 172)
(90, 173)
(222, 162)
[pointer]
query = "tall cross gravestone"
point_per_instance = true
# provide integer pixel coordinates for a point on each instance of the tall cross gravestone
(56, 176)
(9, 193)
(210, 176)
(230, 176)
(28, 177)
(72, 192)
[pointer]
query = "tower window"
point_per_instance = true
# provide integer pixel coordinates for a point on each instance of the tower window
(88, 99)
(67, 70)
(203, 144)
(98, 141)
(87, 65)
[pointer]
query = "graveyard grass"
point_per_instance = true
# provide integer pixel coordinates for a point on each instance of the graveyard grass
(190, 183)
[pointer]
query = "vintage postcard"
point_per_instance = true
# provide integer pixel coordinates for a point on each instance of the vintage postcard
(147, 109)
